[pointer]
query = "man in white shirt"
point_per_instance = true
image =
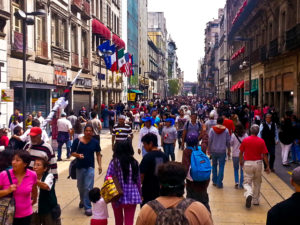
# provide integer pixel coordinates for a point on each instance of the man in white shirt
(64, 128)
(40, 118)
(148, 128)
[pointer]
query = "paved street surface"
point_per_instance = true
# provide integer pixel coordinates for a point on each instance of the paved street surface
(228, 204)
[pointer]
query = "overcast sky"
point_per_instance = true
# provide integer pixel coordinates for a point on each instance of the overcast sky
(186, 21)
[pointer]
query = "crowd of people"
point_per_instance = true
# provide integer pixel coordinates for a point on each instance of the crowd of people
(206, 129)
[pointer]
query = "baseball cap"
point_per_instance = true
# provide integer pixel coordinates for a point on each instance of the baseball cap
(35, 131)
(63, 114)
(296, 175)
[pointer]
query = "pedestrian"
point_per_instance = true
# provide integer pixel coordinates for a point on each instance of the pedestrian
(148, 128)
(16, 123)
(64, 136)
(228, 123)
(180, 121)
(286, 136)
(237, 138)
(4, 141)
(83, 113)
(121, 131)
(28, 121)
(37, 148)
(191, 126)
(137, 121)
(99, 208)
(252, 151)
(210, 122)
(84, 149)
(72, 118)
(47, 200)
(218, 141)
(148, 167)
(168, 138)
(97, 126)
(23, 187)
(287, 212)
(17, 115)
(171, 177)
(125, 167)
(40, 117)
(79, 127)
(269, 132)
(111, 118)
(15, 144)
(196, 190)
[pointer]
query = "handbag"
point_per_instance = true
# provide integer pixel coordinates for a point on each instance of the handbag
(7, 207)
(111, 190)
(73, 166)
(56, 212)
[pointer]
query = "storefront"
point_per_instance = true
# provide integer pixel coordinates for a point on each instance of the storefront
(254, 91)
(82, 94)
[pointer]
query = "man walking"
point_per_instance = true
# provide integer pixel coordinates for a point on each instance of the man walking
(269, 132)
(64, 128)
(287, 212)
(192, 126)
(218, 141)
(121, 131)
(40, 117)
(252, 151)
(97, 126)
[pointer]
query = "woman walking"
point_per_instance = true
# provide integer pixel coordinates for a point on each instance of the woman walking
(286, 138)
(236, 139)
(23, 187)
(126, 169)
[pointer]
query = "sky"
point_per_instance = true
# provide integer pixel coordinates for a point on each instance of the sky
(186, 22)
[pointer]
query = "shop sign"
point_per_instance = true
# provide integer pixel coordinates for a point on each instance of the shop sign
(84, 82)
(60, 76)
(131, 97)
(7, 95)
(38, 80)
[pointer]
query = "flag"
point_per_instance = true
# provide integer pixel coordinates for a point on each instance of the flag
(121, 60)
(105, 47)
(110, 60)
(114, 64)
(127, 65)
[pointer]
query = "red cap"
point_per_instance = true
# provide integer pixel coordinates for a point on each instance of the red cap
(35, 131)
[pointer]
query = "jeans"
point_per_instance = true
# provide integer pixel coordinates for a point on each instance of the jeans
(237, 167)
(59, 148)
(217, 177)
(124, 214)
(296, 151)
(169, 151)
(85, 182)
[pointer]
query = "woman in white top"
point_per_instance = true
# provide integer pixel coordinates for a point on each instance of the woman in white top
(236, 139)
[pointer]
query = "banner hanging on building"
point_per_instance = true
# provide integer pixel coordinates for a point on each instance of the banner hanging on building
(7, 95)
(60, 76)
(131, 97)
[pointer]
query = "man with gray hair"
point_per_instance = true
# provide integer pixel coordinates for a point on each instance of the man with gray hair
(253, 151)
(287, 212)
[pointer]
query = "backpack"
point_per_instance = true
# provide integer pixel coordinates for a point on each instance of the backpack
(200, 165)
(188, 123)
(171, 216)
(7, 207)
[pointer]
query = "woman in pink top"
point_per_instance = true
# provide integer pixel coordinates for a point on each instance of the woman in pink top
(24, 187)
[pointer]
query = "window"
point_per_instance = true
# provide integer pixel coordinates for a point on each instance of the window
(84, 47)
(101, 11)
(108, 16)
(74, 39)
(115, 23)
(64, 34)
(17, 24)
(55, 30)
(270, 32)
(97, 9)
(118, 26)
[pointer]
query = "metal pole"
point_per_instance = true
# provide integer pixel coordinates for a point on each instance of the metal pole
(100, 86)
(24, 71)
(144, 85)
(250, 85)
(228, 81)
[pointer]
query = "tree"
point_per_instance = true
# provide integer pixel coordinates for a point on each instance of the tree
(173, 87)
(194, 90)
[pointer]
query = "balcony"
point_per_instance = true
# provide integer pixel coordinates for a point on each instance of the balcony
(59, 53)
(153, 75)
(17, 45)
(273, 49)
(75, 62)
(76, 5)
(85, 64)
(86, 12)
(42, 52)
(293, 38)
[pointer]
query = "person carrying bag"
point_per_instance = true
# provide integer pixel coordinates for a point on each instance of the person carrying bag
(7, 205)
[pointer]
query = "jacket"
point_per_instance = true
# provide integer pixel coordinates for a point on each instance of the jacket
(218, 139)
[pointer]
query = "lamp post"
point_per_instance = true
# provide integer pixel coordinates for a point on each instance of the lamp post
(145, 82)
(21, 15)
(249, 40)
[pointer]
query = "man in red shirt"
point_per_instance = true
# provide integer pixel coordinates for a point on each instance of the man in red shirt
(252, 151)
(228, 123)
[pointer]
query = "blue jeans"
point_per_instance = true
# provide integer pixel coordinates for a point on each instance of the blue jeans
(296, 151)
(237, 167)
(169, 151)
(85, 183)
(217, 177)
(59, 148)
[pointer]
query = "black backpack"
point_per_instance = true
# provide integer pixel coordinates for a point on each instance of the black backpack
(73, 166)
(171, 216)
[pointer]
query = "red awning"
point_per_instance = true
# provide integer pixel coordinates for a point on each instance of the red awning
(101, 29)
(240, 84)
(118, 41)
(233, 88)
(238, 53)
(240, 11)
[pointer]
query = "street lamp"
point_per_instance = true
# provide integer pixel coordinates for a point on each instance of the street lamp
(249, 40)
(21, 15)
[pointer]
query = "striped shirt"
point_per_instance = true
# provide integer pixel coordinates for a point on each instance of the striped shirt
(121, 132)
(44, 151)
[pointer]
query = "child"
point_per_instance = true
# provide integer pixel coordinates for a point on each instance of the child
(168, 138)
(100, 213)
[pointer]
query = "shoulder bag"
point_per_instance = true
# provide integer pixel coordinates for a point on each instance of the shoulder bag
(7, 207)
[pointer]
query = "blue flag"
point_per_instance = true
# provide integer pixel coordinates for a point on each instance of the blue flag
(109, 58)
(104, 47)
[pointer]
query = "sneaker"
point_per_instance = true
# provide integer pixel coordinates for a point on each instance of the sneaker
(214, 184)
(80, 205)
(256, 203)
(88, 212)
(236, 186)
(248, 201)
(58, 160)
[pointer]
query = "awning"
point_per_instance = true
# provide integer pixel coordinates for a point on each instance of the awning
(101, 29)
(118, 41)
(233, 88)
(136, 91)
(240, 84)
(238, 53)
(254, 87)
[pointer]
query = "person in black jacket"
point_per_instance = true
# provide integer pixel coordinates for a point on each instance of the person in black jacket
(16, 144)
(286, 138)
(287, 212)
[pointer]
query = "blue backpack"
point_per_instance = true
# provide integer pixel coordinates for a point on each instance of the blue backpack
(200, 165)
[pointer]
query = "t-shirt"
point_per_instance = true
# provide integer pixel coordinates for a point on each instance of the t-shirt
(253, 148)
(63, 125)
(196, 213)
(229, 125)
(4, 141)
(180, 122)
(99, 210)
(22, 194)
(95, 123)
(192, 128)
(137, 118)
(111, 115)
(88, 151)
(149, 167)
(121, 132)
(169, 135)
